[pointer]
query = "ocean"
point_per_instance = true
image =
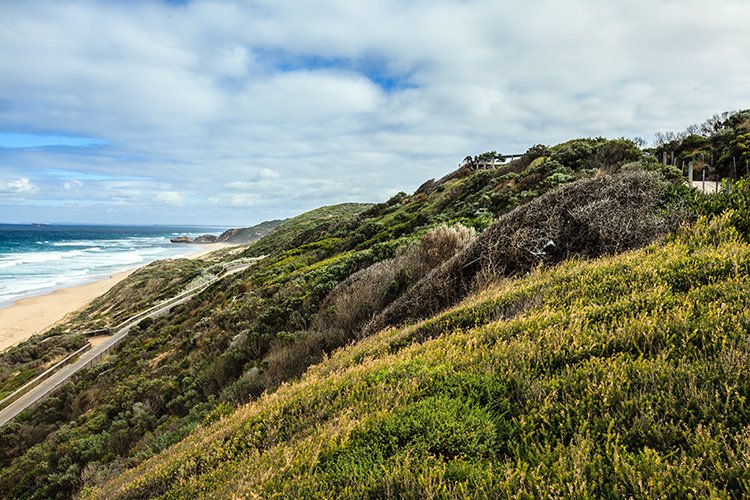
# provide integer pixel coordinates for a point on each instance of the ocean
(37, 258)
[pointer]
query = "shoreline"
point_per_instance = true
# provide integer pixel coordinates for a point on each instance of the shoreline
(32, 315)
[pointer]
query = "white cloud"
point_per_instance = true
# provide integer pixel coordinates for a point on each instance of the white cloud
(267, 173)
(245, 200)
(172, 198)
(333, 100)
(18, 186)
(241, 185)
(261, 179)
(72, 185)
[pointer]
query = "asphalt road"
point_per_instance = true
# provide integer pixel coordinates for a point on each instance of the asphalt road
(57, 379)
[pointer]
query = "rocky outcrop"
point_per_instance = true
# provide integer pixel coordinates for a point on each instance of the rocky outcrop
(204, 238)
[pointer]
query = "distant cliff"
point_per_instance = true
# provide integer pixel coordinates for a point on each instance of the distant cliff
(236, 236)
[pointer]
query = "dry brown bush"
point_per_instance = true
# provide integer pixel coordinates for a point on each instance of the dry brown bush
(365, 293)
(591, 217)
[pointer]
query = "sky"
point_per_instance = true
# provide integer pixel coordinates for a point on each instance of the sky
(229, 113)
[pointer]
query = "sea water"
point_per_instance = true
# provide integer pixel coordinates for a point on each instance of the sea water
(38, 258)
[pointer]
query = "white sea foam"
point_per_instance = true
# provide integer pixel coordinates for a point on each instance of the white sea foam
(75, 243)
(70, 263)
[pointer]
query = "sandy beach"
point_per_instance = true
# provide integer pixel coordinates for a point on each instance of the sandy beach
(33, 315)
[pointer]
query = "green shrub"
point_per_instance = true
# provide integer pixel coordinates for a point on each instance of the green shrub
(735, 203)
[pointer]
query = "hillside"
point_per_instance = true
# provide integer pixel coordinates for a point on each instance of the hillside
(624, 376)
(326, 280)
(245, 235)
(234, 236)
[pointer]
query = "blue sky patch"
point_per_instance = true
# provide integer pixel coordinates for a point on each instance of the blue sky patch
(374, 69)
(81, 176)
(15, 140)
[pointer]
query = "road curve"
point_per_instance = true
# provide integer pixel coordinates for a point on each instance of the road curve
(57, 379)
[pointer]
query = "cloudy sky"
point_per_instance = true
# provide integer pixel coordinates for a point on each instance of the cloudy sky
(233, 112)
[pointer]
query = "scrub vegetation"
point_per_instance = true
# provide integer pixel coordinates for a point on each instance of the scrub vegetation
(573, 323)
(624, 376)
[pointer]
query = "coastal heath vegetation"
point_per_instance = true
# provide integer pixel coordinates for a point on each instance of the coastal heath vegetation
(349, 306)
(623, 376)
(227, 367)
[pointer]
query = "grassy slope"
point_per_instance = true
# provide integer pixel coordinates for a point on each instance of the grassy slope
(621, 376)
(305, 227)
(152, 392)
(216, 351)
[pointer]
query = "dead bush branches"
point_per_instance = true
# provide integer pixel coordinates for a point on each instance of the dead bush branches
(591, 217)
(365, 293)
